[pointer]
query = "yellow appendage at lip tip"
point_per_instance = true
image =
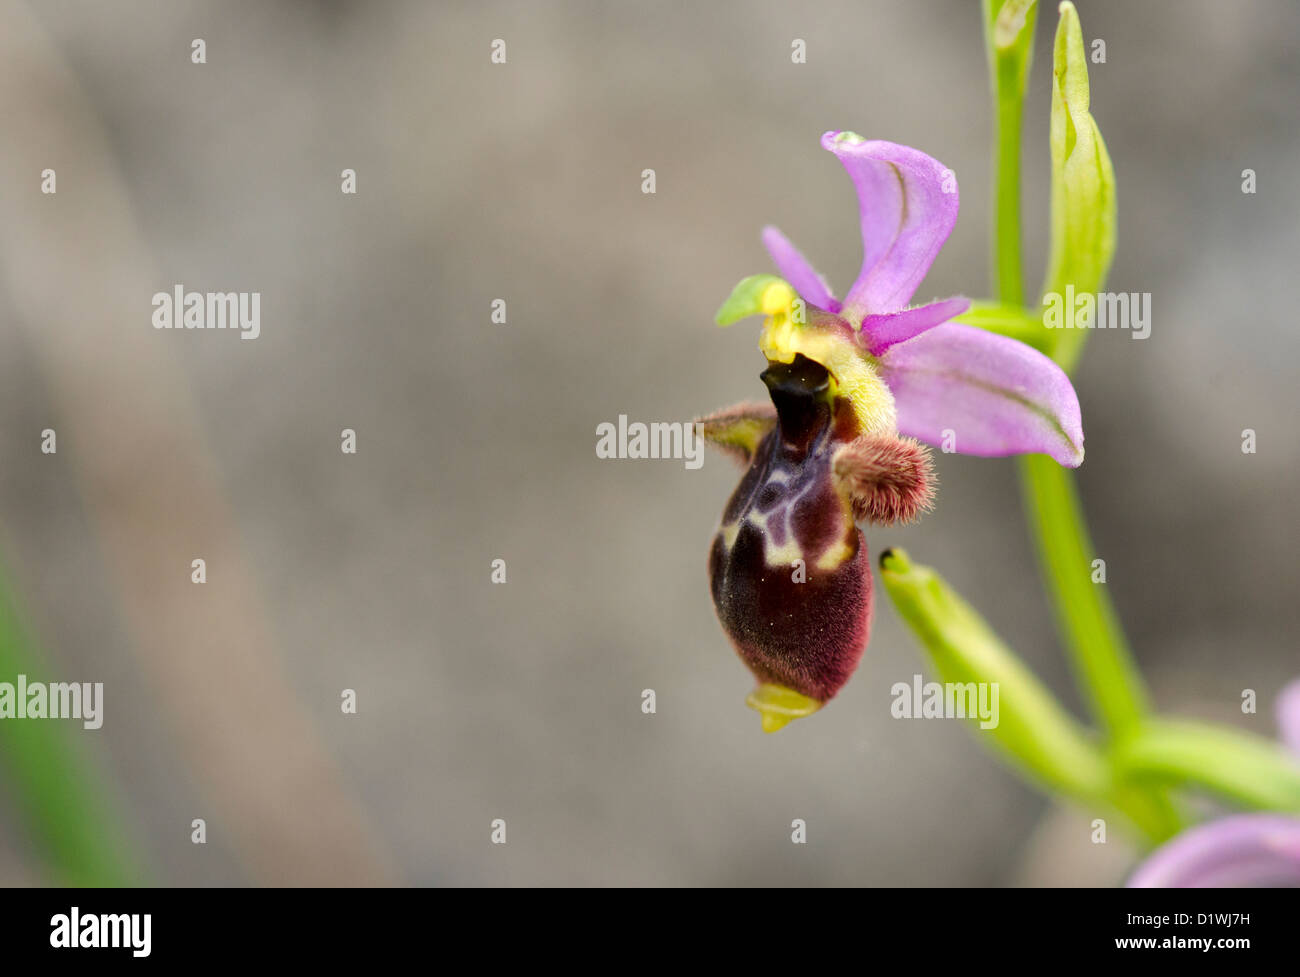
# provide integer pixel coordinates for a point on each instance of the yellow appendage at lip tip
(777, 705)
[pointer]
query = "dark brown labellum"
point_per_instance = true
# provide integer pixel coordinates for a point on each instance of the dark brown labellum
(789, 569)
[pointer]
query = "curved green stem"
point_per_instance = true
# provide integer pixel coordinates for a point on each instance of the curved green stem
(1099, 652)
(1249, 771)
(1087, 620)
(1135, 763)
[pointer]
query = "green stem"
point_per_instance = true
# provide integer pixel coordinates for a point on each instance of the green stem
(62, 799)
(1102, 663)
(1008, 276)
(1252, 772)
(1142, 758)
(1086, 618)
(1008, 39)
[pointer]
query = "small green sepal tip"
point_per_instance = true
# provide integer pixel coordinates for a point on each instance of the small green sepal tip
(746, 299)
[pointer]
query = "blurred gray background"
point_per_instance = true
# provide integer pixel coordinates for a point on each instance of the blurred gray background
(476, 440)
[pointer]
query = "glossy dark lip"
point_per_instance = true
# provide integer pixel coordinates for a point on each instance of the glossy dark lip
(800, 391)
(801, 377)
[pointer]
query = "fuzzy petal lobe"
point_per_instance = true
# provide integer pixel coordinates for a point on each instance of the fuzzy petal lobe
(997, 396)
(738, 430)
(907, 204)
(1232, 852)
(891, 328)
(888, 479)
(796, 270)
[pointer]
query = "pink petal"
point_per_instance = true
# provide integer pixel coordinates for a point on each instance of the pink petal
(796, 270)
(1288, 716)
(908, 205)
(1242, 850)
(891, 328)
(993, 395)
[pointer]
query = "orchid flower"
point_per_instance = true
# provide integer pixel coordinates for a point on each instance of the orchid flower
(852, 383)
(1259, 850)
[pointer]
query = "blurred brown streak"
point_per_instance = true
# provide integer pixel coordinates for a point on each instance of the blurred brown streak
(154, 493)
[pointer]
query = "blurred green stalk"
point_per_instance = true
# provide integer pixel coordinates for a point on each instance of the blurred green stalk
(1148, 756)
(61, 797)
(1247, 770)
(1087, 620)
(1102, 663)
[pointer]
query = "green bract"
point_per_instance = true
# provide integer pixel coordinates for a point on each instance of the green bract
(1034, 731)
(1083, 184)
